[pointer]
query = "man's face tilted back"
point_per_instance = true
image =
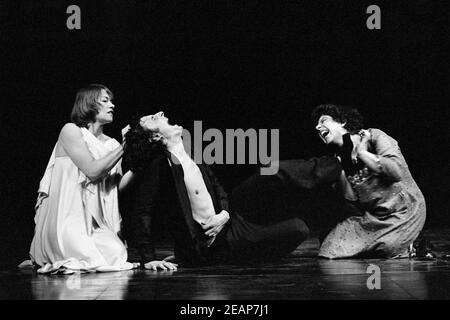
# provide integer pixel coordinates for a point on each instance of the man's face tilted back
(158, 123)
(201, 203)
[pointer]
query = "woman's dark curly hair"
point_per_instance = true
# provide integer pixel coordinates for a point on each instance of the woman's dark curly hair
(139, 149)
(343, 114)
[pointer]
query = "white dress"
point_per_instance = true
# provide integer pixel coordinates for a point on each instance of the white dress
(77, 219)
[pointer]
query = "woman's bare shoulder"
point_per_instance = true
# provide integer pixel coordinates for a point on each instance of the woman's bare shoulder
(70, 128)
(70, 132)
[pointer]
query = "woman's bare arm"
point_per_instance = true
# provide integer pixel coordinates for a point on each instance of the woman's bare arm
(72, 141)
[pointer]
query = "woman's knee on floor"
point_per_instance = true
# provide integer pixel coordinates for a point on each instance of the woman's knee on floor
(390, 248)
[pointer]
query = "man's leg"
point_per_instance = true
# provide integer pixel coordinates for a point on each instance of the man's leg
(250, 242)
(263, 200)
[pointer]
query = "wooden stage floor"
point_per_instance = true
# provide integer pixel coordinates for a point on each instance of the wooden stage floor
(300, 276)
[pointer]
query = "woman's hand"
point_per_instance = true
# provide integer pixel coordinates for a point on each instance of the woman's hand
(163, 265)
(370, 159)
(124, 132)
(365, 137)
(216, 223)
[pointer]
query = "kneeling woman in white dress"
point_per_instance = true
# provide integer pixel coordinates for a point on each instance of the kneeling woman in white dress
(77, 214)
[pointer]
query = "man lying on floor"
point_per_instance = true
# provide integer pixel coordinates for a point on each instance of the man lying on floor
(171, 185)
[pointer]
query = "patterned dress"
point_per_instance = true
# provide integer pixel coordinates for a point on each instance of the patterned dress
(391, 206)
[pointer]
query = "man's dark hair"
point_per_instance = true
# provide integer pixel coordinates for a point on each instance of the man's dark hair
(343, 114)
(140, 150)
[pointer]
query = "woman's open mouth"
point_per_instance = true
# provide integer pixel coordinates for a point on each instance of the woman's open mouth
(323, 134)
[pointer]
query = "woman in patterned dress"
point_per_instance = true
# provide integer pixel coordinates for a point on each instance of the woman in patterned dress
(386, 207)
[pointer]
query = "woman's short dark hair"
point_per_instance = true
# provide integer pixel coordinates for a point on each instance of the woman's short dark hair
(140, 149)
(85, 107)
(343, 114)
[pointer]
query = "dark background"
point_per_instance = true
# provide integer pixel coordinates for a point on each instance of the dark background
(231, 64)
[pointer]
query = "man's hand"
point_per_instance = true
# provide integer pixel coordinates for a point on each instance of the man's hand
(216, 223)
(163, 265)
